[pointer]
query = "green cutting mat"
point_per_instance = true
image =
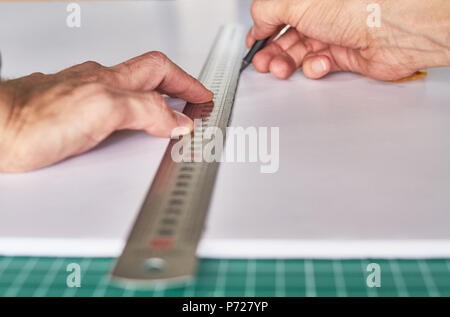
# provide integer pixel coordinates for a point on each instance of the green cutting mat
(31, 276)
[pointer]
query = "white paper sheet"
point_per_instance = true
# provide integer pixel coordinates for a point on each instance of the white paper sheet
(364, 170)
(86, 205)
(363, 165)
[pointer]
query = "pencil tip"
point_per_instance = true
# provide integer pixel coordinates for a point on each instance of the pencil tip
(243, 66)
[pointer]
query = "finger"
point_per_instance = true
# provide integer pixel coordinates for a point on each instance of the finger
(299, 50)
(312, 18)
(124, 110)
(150, 112)
(262, 59)
(316, 67)
(284, 60)
(154, 70)
(338, 58)
(268, 16)
(318, 64)
(288, 39)
(282, 66)
(250, 39)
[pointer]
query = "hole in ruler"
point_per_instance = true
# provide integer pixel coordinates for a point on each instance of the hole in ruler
(165, 232)
(181, 184)
(173, 211)
(154, 264)
(179, 192)
(176, 202)
(168, 221)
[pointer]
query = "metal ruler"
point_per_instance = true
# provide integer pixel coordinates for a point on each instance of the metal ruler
(163, 242)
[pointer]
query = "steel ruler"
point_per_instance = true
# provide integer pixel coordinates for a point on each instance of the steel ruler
(163, 241)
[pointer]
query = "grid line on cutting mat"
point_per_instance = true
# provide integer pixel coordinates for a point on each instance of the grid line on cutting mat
(42, 276)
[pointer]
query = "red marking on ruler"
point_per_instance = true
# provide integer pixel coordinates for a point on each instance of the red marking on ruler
(161, 243)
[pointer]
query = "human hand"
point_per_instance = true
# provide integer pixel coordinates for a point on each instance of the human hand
(333, 35)
(47, 118)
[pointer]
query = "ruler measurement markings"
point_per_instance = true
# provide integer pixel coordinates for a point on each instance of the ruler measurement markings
(169, 225)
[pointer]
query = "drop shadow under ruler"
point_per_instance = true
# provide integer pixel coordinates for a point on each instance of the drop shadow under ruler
(163, 241)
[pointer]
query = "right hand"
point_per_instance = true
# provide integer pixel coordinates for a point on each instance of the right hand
(333, 35)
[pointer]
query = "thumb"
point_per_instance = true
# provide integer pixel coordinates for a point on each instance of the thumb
(150, 112)
(323, 20)
(268, 16)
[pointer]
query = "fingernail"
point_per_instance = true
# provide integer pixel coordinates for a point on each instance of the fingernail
(185, 124)
(319, 66)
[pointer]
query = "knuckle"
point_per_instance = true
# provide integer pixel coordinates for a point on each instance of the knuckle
(91, 65)
(97, 76)
(154, 60)
(36, 74)
(308, 46)
(93, 72)
(158, 58)
(157, 55)
(89, 71)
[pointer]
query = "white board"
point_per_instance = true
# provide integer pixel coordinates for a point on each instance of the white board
(364, 170)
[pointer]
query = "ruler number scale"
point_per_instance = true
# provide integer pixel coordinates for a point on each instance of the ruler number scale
(162, 244)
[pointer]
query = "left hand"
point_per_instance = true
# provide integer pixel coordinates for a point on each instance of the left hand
(47, 118)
